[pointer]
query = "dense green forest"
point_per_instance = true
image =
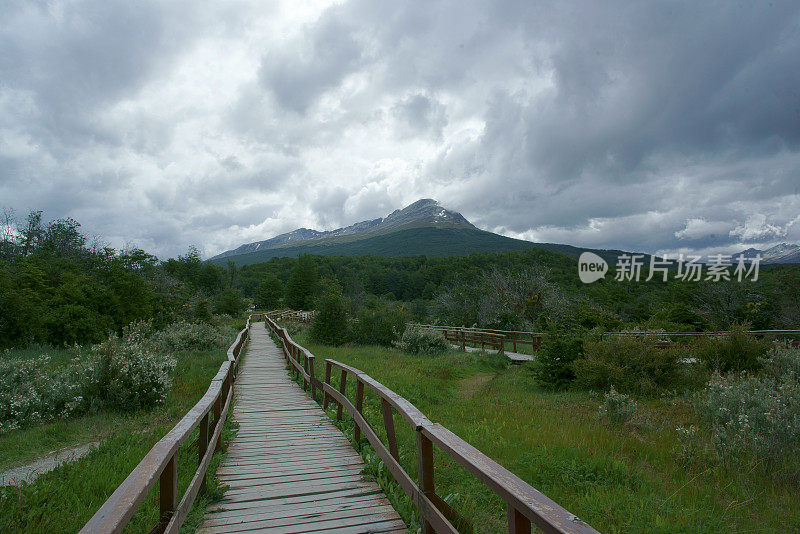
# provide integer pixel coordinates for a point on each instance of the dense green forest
(58, 288)
(527, 289)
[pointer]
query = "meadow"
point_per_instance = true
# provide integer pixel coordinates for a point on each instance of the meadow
(638, 476)
(63, 500)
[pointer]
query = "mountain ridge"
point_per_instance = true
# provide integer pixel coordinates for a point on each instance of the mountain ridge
(422, 213)
(421, 228)
(780, 253)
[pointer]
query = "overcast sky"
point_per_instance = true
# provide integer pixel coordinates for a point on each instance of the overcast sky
(648, 126)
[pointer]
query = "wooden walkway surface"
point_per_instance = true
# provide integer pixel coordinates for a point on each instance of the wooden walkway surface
(515, 357)
(289, 469)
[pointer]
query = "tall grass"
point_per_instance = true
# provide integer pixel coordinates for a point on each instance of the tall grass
(65, 498)
(618, 478)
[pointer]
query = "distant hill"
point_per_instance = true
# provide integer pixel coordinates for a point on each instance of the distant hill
(422, 228)
(783, 253)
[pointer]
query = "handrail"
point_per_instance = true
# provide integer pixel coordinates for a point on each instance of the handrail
(160, 463)
(513, 338)
(526, 505)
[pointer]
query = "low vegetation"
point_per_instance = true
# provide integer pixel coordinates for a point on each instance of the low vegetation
(635, 462)
(423, 342)
(126, 392)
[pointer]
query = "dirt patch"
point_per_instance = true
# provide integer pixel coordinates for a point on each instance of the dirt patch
(470, 386)
(28, 473)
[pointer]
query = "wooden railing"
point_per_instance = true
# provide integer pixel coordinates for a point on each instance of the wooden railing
(160, 465)
(502, 340)
(299, 316)
(526, 506)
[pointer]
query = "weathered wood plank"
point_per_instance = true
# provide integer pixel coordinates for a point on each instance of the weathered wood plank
(289, 469)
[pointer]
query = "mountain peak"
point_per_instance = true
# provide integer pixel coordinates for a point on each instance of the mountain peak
(781, 253)
(425, 212)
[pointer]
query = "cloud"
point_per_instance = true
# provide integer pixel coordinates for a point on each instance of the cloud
(757, 229)
(699, 228)
(652, 127)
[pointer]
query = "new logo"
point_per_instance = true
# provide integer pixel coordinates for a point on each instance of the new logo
(591, 267)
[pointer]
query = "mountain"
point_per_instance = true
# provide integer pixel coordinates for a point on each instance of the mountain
(782, 253)
(422, 228)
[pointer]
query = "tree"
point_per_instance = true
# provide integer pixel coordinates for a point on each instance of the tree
(302, 284)
(230, 301)
(329, 326)
(269, 293)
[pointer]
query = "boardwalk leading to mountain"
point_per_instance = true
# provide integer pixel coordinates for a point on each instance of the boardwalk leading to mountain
(289, 469)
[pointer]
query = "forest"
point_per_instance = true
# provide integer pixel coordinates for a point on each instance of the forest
(58, 287)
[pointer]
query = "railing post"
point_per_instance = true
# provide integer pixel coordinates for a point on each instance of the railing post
(517, 523)
(502, 345)
(388, 423)
(425, 472)
(305, 368)
(202, 447)
(311, 375)
(327, 381)
(359, 407)
(342, 384)
(168, 486)
(463, 341)
(218, 414)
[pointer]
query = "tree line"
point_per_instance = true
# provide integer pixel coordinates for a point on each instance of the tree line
(58, 287)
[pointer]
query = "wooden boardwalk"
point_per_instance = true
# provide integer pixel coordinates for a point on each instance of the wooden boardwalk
(289, 469)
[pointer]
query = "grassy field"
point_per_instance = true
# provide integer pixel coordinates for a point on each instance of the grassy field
(619, 479)
(64, 499)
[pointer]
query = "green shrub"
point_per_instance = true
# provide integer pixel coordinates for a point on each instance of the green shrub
(202, 311)
(183, 335)
(124, 373)
(380, 326)
(782, 362)
(329, 326)
(736, 351)
(753, 414)
(422, 341)
(553, 366)
(631, 364)
(127, 374)
(617, 408)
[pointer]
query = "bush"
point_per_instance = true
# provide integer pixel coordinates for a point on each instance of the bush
(202, 311)
(379, 326)
(422, 341)
(631, 364)
(617, 408)
(756, 414)
(736, 351)
(552, 367)
(121, 373)
(183, 335)
(127, 374)
(329, 326)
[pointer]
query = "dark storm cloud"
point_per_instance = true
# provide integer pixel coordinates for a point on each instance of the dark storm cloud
(655, 126)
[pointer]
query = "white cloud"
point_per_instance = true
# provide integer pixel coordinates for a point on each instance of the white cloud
(756, 228)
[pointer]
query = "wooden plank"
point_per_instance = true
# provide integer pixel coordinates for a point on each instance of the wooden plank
(289, 469)
(353, 514)
(284, 509)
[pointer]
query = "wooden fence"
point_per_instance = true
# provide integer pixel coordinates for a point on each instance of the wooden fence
(502, 340)
(526, 506)
(298, 316)
(160, 465)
